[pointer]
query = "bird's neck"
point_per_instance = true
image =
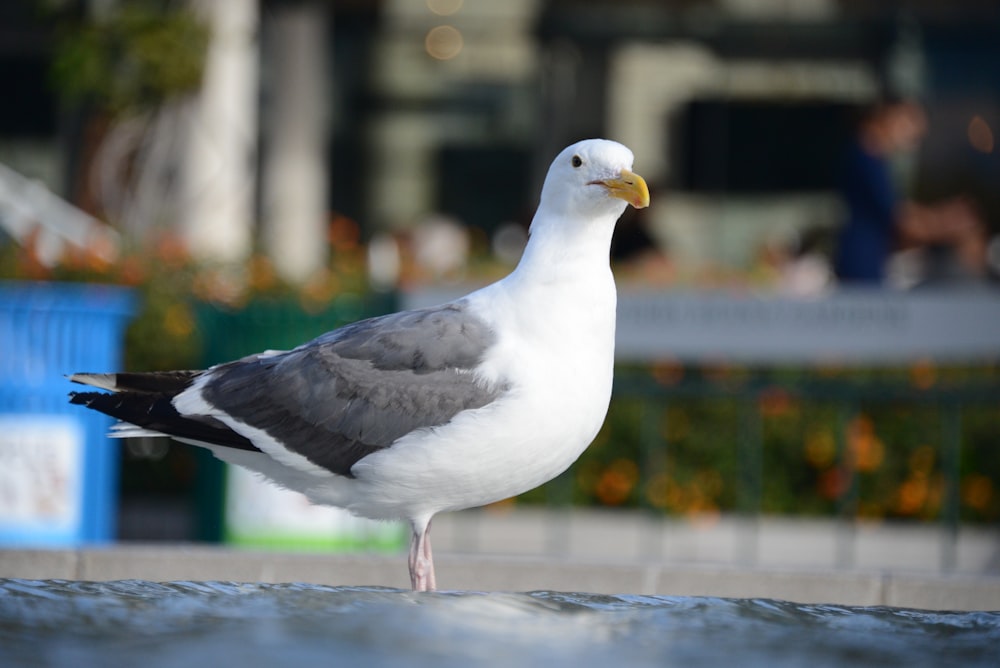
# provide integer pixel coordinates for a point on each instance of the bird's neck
(577, 254)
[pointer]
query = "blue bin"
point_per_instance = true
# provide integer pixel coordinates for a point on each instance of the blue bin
(58, 472)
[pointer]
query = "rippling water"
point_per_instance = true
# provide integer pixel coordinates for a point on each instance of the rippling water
(188, 624)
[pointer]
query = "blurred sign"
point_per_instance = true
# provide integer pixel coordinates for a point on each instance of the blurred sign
(870, 326)
(850, 326)
(260, 514)
(58, 471)
(41, 469)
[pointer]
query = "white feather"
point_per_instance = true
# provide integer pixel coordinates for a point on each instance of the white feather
(104, 381)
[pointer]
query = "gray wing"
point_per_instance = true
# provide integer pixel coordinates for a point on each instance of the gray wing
(357, 389)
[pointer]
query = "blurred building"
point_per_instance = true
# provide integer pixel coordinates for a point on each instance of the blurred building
(388, 111)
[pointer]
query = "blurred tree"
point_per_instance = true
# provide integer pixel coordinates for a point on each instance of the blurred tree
(134, 58)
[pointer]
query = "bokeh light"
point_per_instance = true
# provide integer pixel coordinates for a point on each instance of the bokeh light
(980, 134)
(443, 42)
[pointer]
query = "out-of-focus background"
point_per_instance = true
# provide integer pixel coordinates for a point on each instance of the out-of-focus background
(809, 321)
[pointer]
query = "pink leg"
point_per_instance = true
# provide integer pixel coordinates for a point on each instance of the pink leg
(421, 559)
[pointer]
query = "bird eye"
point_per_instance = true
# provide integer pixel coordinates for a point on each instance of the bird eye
(576, 161)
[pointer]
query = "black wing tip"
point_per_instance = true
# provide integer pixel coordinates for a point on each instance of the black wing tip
(157, 413)
(86, 398)
(82, 398)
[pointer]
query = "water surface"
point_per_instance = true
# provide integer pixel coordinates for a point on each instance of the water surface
(187, 624)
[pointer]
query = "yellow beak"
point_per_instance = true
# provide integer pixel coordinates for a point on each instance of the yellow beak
(630, 187)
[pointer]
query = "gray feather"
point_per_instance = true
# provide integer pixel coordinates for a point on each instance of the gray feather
(356, 390)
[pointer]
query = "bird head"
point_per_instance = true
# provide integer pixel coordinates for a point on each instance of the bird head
(593, 176)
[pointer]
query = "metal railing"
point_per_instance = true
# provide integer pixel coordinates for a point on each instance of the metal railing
(848, 398)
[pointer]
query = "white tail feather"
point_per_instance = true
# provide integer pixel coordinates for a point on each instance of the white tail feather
(126, 430)
(105, 381)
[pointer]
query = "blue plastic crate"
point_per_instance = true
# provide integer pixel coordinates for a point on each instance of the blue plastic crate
(58, 472)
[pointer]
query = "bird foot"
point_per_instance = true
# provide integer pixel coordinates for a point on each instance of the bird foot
(421, 561)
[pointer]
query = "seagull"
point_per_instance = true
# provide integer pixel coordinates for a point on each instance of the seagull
(410, 414)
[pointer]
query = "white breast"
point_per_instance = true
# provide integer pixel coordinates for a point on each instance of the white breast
(557, 362)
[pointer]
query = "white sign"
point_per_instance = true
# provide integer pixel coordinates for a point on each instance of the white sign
(260, 513)
(41, 472)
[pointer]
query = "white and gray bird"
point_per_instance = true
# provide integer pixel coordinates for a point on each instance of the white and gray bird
(407, 415)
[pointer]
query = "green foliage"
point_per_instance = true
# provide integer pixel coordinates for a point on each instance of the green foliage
(868, 442)
(138, 56)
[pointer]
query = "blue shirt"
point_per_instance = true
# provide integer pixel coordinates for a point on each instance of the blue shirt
(867, 237)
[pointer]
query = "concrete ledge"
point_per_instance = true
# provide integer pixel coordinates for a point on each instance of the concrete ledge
(770, 542)
(40, 564)
(493, 573)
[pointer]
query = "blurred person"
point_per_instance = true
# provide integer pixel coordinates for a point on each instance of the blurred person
(879, 222)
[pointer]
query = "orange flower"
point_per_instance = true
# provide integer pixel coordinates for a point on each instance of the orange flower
(833, 483)
(977, 491)
(343, 233)
(912, 495)
(923, 374)
(866, 447)
(775, 402)
(616, 482)
(263, 276)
